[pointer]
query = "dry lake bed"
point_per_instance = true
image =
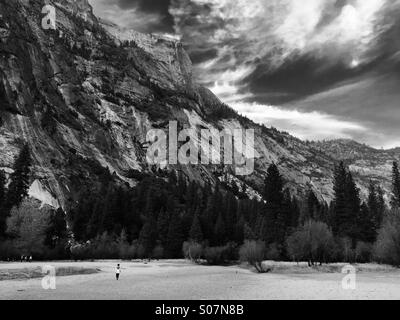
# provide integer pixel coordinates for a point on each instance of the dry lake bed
(182, 280)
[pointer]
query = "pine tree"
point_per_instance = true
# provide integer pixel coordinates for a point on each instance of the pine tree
(2, 187)
(3, 215)
(148, 236)
(172, 179)
(395, 201)
(372, 204)
(19, 179)
(277, 215)
(249, 234)
(230, 216)
(175, 237)
(353, 207)
(239, 230)
(56, 233)
(346, 204)
(313, 206)
(220, 231)
(81, 216)
(182, 185)
(273, 191)
(163, 226)
(366, 225)
(295, 213)
(94, 224)
(196, 234)
(381, 206)
(339, 218)
(109, 212)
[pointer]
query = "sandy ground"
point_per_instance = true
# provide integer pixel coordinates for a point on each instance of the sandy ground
(180, 280)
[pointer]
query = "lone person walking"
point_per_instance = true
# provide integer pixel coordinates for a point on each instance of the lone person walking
(117, 271)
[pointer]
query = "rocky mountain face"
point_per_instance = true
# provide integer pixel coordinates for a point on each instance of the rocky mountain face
(366, 163)
(85, 95)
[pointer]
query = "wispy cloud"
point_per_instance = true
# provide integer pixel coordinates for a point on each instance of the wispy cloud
(131, 17)
(271, 32)
(304, 125)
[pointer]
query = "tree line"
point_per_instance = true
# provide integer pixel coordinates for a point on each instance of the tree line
(168, 216)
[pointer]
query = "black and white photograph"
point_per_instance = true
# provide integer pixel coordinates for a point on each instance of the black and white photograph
(200, 150)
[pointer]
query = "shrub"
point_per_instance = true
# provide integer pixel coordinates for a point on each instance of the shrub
(81, 252)
(127, 251)
(8, 251)
(141, 252)
(253, 252)
(363, 252)
(273, 252)
(27, 225)
(104, 247)
(312, 242)
(158, 252)
(214, 255)
(346, 251)
(220, 255)
(193, 251)
(387, 246)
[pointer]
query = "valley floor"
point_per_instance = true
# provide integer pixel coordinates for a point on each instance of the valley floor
(181, 280)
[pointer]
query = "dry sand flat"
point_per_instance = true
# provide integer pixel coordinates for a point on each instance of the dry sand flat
(170, 280)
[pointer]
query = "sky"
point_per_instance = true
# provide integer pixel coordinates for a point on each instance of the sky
(319, 69)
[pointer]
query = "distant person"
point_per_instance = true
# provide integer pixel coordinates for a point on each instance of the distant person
(117, 271)
(30, 259)
(22, 259)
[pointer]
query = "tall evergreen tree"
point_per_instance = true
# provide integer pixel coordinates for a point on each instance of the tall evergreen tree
(339, 218)
(381, 206)
(56, 233)
(346, 204)
(196, 234)
(372, 198)
(313, 207)
(395, 201)
(109, 212)
(19, 179)
(81, 216)
(3, 215)
(366, 225)
(230, 214)
(295, 213)
(2, 187)
(175, 237)
(220, 231)
(148, 236)
(277, 217)
(163, 226)
(239, 229)
(248, 232)
(353, 205)
(273, 187)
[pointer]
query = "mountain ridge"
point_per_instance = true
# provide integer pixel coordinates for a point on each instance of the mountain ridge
(84, 99)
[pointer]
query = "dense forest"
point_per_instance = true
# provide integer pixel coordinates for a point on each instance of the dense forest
(168, 216)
